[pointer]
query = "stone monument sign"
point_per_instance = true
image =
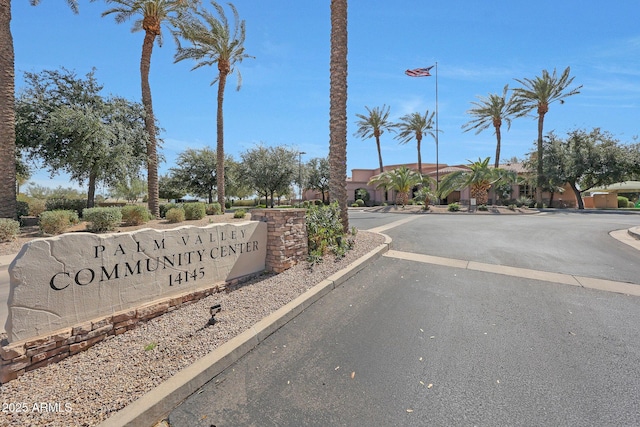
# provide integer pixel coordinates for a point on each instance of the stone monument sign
(60, 281)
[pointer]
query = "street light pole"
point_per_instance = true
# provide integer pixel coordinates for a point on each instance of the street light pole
(300, 153)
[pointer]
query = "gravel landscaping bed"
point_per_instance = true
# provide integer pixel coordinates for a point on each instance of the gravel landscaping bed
(88, 387)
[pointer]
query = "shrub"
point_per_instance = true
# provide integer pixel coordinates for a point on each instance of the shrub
(631, 204)
(512, 207)
(453, 207)
(165, 207)
(174, 215)
(244, 203)
(215, 209)
(354, 205)
(9, 229)
(240, 213)
(22, 208)
(36, 207)
(135, 214)
(57, 222)
(102, 219)
(525, 201)
(227, 205)
(360, 203)
(623, 202)
(324, 232)
(483, 208)
(195, 210)
(77, 205)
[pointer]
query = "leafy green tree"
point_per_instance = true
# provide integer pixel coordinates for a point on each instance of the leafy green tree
(41, 192)
(480, 177)
(585, 160)
(373, 125)
(415, 125)
(63, 120)
(214, 43)
(234, 184)
(338, 110)
(402, 180)
(317, 174)
(130, 188)
(151, 14)
(270, 170)
(538, 93)
(493, 111)
(170, 188)
(8, 207)
(196, 170)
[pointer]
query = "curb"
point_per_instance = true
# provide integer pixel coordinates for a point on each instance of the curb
(158, 403)
(634, 232)
(6, 260)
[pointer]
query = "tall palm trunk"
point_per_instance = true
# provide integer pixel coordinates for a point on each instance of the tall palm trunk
(379, 152)
(419, 138)
(338, 109)
(222, 82)
(540, 172)
(498, 141)
(7, 116)
(149, 122)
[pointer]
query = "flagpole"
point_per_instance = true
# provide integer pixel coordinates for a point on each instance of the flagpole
(437, 160)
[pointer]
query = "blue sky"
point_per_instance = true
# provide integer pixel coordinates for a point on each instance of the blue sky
(479, 46)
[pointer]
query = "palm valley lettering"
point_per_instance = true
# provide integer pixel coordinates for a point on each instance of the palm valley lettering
(180, 266)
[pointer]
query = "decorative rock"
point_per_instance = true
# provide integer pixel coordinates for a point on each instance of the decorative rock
(63, 281)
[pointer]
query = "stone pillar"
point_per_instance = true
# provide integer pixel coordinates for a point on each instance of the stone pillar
(286, 237)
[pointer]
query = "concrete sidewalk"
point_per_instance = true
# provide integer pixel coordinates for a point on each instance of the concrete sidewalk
(5, 260)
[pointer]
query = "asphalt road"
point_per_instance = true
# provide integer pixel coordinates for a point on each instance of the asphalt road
(411, 343)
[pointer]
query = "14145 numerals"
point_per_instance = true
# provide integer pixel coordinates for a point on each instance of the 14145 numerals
(185, 276)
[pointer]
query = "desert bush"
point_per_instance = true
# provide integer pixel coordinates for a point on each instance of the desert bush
(354, 205)
(360, 203)
(623, 202)
(244, 203)
(512, 207)
(102, 219)
(483, 208)
(135, 214)
(240, 213)
(164, 208)
(9, 229)
(227, 204)
(57, 222)
(36, 206)
(174, 215)
(453, 207)
(22, 208)
(195, 210)
(77, 205)
(526, 202)
(324, 232)
(214, 208)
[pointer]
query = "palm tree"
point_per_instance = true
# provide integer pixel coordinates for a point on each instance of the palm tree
(415, 125)
(8, 207)
(338, 110)
(493, 110)
(215, 43)
(538, 93)
(151, 15)
(402, 180)
(374, 125)
(480, 177)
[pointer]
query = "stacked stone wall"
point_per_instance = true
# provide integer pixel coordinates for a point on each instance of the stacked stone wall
(286, 237)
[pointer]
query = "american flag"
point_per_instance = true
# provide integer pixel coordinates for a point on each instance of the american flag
(419, 72)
